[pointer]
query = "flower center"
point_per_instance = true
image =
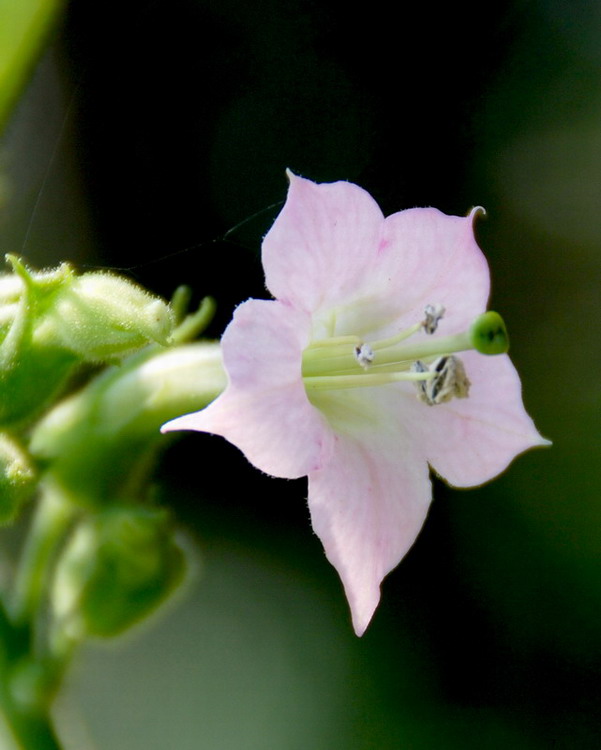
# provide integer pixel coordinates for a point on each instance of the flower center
(349, 362)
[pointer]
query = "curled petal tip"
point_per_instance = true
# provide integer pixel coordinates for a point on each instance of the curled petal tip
(477, 211)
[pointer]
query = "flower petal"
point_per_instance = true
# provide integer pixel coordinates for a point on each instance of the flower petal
(469, 441)
(369, 502)
(264, 410)
(427, 257)
(322, 245)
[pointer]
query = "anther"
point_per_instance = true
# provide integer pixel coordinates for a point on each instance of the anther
(433, 315)
(420, 384)
(364, 355)
(449, 381)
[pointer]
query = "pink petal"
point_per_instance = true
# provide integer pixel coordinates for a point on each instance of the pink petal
(264, 410)
(469, 441)
(368, 504)
(428, 257)
(320, 249)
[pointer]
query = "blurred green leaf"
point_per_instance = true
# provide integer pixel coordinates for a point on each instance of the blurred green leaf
(23, 28)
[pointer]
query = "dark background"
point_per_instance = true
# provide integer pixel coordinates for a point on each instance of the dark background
(154, 138)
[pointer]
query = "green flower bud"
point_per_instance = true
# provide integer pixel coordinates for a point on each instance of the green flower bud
(118, 567)
(96, 444)
(100, 316)
(17, 478)
(488, 334)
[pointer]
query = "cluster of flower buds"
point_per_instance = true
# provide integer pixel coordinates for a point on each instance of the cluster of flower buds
(117, 557)
(122, 558)
(53, 321)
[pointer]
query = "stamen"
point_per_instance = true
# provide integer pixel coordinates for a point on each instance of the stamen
(420, 367)
(433, 347)
(364, 355)
(341, 359)
(449, 381)
(337, 340)
(321, 351)
(433, 315)
(363, 380)
(397, 338)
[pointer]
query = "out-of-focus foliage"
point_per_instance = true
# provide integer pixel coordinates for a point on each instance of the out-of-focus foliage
(23, 28)
(118, 567)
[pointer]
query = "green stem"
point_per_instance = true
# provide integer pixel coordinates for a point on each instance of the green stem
(50, 525)
(29, 731)
(30, 728)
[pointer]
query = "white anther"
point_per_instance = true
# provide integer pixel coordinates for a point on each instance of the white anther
(450, 381)
(419, 366)
(364, 355)
(433, 315)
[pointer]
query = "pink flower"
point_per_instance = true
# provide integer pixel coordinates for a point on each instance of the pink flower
(341, 378)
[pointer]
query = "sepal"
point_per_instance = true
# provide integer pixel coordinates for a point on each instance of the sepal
(33, 366)
(17, 477)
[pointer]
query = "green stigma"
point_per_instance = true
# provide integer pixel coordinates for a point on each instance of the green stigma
(488, 334)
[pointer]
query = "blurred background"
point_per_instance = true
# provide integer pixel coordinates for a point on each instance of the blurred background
(153, 137)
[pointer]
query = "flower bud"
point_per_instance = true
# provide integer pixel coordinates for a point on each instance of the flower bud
(17, 478)
(93, 442)
(118, 567)
(100, 316)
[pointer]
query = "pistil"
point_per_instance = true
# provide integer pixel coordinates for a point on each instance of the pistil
(348, 362)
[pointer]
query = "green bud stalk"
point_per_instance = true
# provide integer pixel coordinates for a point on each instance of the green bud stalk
(33, 368)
